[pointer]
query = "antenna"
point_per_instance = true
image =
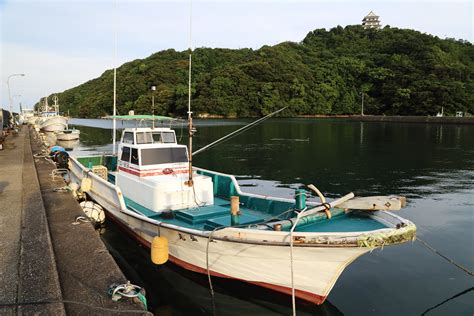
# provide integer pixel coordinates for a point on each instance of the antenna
(190, 119)
(114, 124)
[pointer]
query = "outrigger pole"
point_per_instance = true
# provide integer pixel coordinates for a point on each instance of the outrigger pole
(114, 127)
(190, 119)
(235, 133)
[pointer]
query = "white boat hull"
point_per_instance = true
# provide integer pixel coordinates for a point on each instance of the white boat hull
(72, 135)
(316, 267)
(53, 124)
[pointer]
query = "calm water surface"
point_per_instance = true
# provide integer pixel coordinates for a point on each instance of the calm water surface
(433, 165)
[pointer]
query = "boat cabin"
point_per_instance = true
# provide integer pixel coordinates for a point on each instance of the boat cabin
(153, 168)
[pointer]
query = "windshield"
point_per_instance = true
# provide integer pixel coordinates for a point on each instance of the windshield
(155, 137)
(153, 156)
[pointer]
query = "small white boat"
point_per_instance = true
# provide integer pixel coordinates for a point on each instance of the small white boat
(68, 134)
(68, 145)
(50, 120)
(211, 226)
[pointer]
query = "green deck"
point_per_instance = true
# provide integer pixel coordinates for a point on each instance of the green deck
(254, 210)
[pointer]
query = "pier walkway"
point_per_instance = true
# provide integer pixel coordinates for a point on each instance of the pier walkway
(47, 265)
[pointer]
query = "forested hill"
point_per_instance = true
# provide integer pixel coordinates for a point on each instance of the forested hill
(400, 72)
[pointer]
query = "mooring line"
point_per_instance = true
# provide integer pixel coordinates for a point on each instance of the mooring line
(424, 243)
(447, 300)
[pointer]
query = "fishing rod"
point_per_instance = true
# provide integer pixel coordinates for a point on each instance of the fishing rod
(235, 133)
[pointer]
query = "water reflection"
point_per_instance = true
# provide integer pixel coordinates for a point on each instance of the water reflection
(433, 165)
(172, 290)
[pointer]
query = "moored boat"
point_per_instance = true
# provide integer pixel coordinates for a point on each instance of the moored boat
(212, 226)
(68, 134)
(50, 120)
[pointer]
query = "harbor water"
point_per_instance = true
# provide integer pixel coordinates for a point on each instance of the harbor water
(431, 164)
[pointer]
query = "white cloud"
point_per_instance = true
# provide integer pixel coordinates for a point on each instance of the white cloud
(46, 72)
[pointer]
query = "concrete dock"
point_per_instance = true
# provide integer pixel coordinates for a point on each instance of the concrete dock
(48, 266)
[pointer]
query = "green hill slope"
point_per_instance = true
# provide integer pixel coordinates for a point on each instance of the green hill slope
(400, 72)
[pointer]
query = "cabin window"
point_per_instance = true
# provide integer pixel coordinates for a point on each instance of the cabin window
(125, 154)
(134, 158)
(154, 156)
(144, 138)
(127, 138)
(157, 137)
(168, 137)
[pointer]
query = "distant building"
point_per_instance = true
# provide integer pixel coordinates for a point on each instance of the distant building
(371, 21)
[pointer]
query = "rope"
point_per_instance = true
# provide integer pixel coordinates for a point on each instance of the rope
(424, 243)
(447, 300)
(293, 300)
(117, 291)
(104, 309)
(62, 189)
(211, 288)
(81, 219)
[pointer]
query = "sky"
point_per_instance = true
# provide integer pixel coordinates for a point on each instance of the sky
(59, 44)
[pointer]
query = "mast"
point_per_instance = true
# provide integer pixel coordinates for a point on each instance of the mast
(56, 106)
(190, 119)
(114, 124)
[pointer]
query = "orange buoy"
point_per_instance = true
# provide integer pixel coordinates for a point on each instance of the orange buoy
(159, 250)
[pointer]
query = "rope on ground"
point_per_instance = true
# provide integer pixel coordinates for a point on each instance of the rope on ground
(99, 308)
(117, 291)
(424, 243)
(61, 172)
(62, 189)
(81, 219)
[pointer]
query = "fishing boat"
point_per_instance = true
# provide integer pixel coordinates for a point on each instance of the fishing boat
(50, 120)
(68, 134)
(202, 221)
(295, 246)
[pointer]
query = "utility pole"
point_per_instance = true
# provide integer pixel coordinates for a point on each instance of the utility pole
(153, 89)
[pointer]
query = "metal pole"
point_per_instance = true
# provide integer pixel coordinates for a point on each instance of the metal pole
(190, 119)
(153, 88)
(362, 110)
(114, 122)
(9, 92)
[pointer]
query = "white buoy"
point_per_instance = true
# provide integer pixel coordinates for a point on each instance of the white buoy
(93, 211)
(76, 190)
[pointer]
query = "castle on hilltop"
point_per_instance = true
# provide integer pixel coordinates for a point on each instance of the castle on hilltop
(371, 21)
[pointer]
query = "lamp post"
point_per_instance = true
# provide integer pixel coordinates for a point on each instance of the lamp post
(17, 96)
(9, 92)
(153, 89)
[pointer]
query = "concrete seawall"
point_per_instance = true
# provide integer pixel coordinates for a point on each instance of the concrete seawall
(48, 265)
(399, 119)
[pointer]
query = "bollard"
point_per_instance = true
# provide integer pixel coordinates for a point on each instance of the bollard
(300, 199)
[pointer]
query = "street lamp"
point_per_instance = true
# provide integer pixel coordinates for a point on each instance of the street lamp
(153, 89)
(17, 96)
(9, 92)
